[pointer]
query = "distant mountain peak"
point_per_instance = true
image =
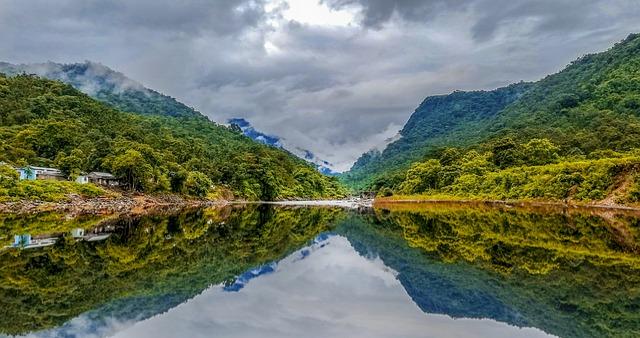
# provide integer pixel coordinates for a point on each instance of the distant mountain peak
(248, 130)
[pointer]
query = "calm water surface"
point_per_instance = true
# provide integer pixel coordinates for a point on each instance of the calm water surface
(285, 271)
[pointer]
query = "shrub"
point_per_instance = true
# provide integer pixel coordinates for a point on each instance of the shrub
(8, 176)
(198, 184)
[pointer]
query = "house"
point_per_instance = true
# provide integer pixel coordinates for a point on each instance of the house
(22, 240)
(40, 173)
(26, 242)
(77, 233)
(103, 179)
(82, 179)
(95, 236)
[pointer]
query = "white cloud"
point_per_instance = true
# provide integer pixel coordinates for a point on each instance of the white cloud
(333, 292)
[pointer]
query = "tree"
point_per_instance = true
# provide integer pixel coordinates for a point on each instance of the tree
(422, 177)
(540, 151)
(8, 176)
(450, 156)
(506, 153)
(72, 164)
(177, 177)
(131, 168)
(198, 184)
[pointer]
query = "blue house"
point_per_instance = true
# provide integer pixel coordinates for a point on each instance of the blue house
(22, 240)
(27, 173)
(40, 173)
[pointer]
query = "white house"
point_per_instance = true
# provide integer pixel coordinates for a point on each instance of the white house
(82, 179)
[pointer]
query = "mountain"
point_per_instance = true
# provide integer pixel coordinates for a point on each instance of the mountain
(46, 122)
(591, 105)
(439, 121)
(275, 141)
(125, 94)
(106, 85)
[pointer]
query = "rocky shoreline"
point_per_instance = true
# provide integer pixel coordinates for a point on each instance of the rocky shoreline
(77, 205)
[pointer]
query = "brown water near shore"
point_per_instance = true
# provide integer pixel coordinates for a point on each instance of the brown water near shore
(530, 205)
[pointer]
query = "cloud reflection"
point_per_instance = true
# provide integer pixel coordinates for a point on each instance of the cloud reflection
(332, 292)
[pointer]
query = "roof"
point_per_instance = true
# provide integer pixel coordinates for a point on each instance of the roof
(50, 170)
(97, 174)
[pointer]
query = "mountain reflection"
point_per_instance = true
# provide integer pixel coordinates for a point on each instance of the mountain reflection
(392, 271)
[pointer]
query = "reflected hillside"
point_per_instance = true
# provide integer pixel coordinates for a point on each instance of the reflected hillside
(570, 273)
(147, 265)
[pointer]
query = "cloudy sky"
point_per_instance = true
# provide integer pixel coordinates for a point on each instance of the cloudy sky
(337, 77)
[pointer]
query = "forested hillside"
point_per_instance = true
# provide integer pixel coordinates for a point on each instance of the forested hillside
(50, 123)
(588, 112)
(444, 120)
(106, 85)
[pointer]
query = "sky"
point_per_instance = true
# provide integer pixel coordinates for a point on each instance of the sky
(337, 77)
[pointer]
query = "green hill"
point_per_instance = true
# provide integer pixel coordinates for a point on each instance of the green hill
(106, 85)
(45, 122)
(590, 107)
(439, 121)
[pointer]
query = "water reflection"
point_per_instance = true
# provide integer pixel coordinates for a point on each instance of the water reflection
(334, 292)
(292, 271)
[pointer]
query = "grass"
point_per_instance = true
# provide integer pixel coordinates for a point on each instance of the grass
(50, 191)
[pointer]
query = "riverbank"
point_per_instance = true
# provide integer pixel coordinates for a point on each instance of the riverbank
(606, 204)
(123, 203)
(352, 203)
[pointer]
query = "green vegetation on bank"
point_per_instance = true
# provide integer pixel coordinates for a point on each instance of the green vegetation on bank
(12, 189)
(530, 171)
(589, 108)
(49, 123)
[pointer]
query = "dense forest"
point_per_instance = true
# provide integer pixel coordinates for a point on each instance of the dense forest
(49, 123)
(557, 131)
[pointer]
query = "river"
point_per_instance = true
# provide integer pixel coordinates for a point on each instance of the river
(264, 270)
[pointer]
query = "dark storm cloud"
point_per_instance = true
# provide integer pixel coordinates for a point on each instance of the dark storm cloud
(337, 90)
(489, 15)
(177, 17)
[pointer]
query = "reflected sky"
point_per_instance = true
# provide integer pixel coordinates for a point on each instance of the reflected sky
(326, 289)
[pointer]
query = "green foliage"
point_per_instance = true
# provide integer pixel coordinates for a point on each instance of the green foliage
(49, 123)
(72, 164)
(8, 176)
(198, 184)
(540, 152)
(422, 177)
(521, 172)
(48, 191)
(132, 168)
(506, 153)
